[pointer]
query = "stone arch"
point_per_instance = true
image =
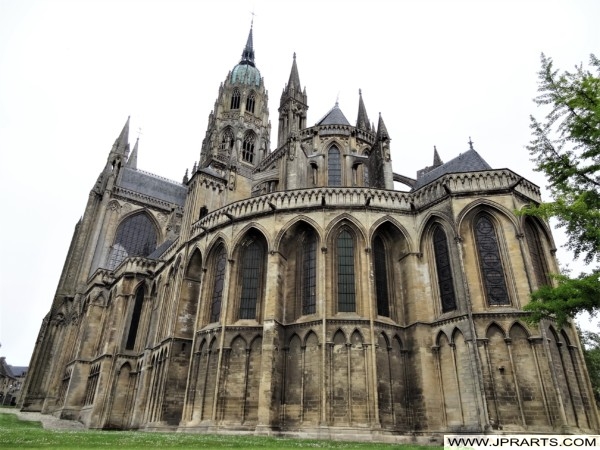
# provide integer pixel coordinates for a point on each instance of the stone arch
(392, 271)
(251, 227)
(289, 226)
(482, 204)
(340, 220)
(293, 385)
(234, 388)
(216, 263)
(122, 393)
(248, 290)
(340, 379)
(300, 264)
(189, 296)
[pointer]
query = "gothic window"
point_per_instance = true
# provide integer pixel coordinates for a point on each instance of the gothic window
(250, 102)
(444, 269)
(381, 277)
(536, 251)
(346, 291)
(248, 148)
(226, 140)
(365, 175)
(251, 271)
(308, 250)
(136, 236)
(135, 318)
(490, 261)
(334, 167)
(218, 285)
(235, 99)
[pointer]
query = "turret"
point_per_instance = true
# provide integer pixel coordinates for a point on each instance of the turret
(380, 164)
(292, 107)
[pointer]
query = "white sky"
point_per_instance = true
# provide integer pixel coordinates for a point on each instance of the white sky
(72, 71)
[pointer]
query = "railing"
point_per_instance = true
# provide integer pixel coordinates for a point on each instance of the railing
(353, 197)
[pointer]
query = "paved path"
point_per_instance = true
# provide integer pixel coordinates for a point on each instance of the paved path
(48, 421)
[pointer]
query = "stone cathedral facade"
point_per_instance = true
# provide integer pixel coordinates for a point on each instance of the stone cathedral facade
(287, 287)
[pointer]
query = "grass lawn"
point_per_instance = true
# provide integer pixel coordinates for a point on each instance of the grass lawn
(15, 433)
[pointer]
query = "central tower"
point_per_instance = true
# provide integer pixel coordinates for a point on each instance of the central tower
(238, 133)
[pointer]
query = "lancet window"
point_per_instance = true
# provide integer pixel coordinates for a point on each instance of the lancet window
(135, 318)
(248, 147)
(308, 251)
(334, 167)
(346, 289)
(251, 273)
(490, 261)
(250, 101)
(235, 99)
(443, 266)
(381, 277)
(220, 263)
(536, 252)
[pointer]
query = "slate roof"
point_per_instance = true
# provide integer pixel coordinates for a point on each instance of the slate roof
(470, 161)
(153, 186)
(334, 117)
(18, 370)
(157, 253)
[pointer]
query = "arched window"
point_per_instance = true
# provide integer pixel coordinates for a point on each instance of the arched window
(365, 175)
(334, 167)
(308, 277)
(490, 261)
(381, 277)
(135, 318)
(251, 272)
(250, 102)
(235, 99)
(536, 252)
(444, 269)
(248, 148)
(136, 236)
(226, 141)
(219, 284)
(345, 272)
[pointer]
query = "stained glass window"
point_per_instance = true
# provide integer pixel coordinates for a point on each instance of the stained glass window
(135, 318)
(381, 277)
(252, 266)
(136, 236)
(334, 167)
(444, 269)
(536, 251)
(218, 286)
(248, 148)
(235, 99)
(345, 272)
(250, 103)
(309, 273)
(490, 261)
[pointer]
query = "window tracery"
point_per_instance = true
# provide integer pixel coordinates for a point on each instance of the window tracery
(334, 167)
(235, 99)
(490, 261)
(345, 272)
(218, 285)
(136, 236)
(248, 148)
(251, 271)
(444, 269)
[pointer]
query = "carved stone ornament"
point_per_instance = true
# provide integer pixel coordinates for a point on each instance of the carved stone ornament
(114, 206)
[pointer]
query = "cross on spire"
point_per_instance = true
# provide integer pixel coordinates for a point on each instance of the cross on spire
(470, 144)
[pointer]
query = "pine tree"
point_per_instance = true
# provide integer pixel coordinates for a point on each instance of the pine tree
(566, 148)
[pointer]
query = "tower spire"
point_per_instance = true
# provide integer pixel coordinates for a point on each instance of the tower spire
(362, 121)
(248, 53)
(132, 160)
(294, 81)
(437, 161)
(121, 145)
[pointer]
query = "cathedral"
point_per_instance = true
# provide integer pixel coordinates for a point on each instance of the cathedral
(288, 288)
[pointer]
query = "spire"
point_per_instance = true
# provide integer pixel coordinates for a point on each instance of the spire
(121, 145)
(437, 161)
(362, 121)
(294, 81)
(248, 53)
(132, 160)
(382, 133)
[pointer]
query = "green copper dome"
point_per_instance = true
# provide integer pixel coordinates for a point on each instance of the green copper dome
(245, 74)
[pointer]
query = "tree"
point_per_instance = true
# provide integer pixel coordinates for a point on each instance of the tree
(591, 354)
(566, 148)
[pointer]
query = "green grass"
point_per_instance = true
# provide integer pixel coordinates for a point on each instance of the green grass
(15, 433)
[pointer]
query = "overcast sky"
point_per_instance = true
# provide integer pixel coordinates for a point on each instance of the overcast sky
(72, 71)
